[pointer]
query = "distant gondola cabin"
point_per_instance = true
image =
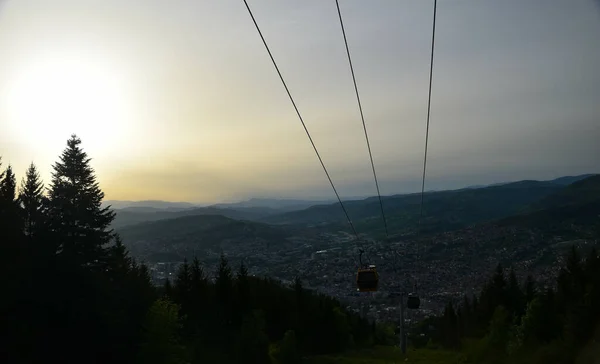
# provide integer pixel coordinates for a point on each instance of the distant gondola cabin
(367, 279)
(414, 302)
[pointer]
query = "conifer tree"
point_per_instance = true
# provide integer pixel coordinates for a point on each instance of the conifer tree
(168, 289)
(197, 274)
(31, 199)
(243, 292)
(224, 281)
(183, 286)
(224, 290)
(530, 289)
(10, 219)
(8, 185)
(9, 209)
(120, 262)
(515, 298)
(78, 221)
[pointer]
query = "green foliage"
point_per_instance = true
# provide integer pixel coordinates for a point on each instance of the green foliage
(390, 355)
(286, 351)
(238, 316)
(31, 199)
(161, 342)
(555, 326)
(499, 332)
(253, 344)
(385, 335)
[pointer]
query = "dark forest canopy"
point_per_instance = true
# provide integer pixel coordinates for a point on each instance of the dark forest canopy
(525, 322)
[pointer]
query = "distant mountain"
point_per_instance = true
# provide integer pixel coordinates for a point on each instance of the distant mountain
(277, 205)
(580, 192)
(445, 210)
(567, 180)
(148, 205)
(564, 181)
(184, 235)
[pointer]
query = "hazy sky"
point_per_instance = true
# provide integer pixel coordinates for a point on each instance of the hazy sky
(178, 100)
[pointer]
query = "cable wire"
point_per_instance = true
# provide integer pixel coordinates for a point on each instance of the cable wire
(301, 120)
(362, 117)
(427, 129)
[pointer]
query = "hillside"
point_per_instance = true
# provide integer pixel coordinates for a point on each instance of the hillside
(580, 192)
(136, 215)
(445, 210)
(182, 236)
(528, 241)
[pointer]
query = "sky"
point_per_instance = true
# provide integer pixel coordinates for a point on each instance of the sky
(179, 100)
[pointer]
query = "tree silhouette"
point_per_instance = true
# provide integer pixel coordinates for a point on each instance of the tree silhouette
(77, 218)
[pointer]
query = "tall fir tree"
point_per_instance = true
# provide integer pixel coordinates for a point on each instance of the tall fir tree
(79, 223)
(515, 300)
(10, 214)
(530, 289)
(243, 291)
(8, 185)
(31, 199)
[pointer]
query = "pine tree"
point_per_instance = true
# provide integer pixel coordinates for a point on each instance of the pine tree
(119, 261)
(78, 220)
(515, 298)
(183, 286)
(224, 281)
(9, 206)
(8, 186)
(530, 288)
(10, 216)
(242, 286)
(31, 199)
(197, 274)
(450, 326)
(224, 290)
(168, 289)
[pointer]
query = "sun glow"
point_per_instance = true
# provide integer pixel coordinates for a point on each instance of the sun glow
(55, 96)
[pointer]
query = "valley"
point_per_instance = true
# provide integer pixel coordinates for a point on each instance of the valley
(525, 225)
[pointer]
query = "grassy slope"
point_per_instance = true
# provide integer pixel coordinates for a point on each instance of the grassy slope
(388, 354)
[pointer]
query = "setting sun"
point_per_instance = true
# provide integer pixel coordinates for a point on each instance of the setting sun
(57, 95)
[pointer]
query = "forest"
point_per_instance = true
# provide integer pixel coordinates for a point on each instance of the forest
(72, 293)
(509, 322)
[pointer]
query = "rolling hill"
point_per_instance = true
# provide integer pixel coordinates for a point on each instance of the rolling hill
(180, 236)
(577, 204)
(445, 210)
(132, 216)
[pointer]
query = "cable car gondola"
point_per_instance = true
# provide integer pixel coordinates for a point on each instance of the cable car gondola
(367, 279)
(413, 302)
